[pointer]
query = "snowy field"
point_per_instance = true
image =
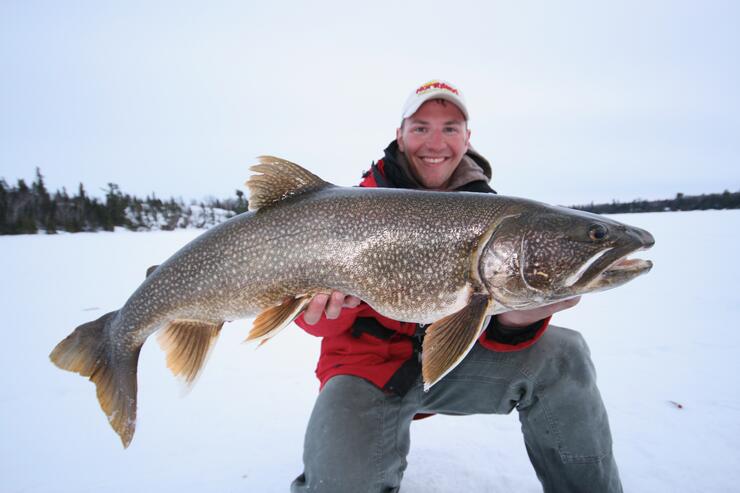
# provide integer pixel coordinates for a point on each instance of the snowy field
(669, 337)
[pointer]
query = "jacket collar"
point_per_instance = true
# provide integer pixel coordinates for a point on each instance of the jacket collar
(472, 168)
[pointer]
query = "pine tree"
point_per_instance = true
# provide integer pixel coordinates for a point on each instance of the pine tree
(115, 205)
(241, 204)
(4, 207)
(43, 205)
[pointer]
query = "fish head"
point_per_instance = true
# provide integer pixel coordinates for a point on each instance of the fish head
(541, 254)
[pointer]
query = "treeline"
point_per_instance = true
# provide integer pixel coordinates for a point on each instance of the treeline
(27, 209)
(724, 200)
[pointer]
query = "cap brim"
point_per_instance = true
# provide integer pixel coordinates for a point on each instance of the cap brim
(436, 95)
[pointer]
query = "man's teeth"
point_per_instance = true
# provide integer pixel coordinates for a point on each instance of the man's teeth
(433, 160)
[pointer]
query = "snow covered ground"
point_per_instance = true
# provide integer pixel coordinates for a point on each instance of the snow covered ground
(668, 337)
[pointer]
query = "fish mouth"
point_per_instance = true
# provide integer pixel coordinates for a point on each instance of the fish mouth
(614, 269)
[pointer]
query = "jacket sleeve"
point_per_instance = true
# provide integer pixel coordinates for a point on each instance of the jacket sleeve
(501, 338)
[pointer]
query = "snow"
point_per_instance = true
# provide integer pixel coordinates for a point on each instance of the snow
(667, 337)
(149, 218)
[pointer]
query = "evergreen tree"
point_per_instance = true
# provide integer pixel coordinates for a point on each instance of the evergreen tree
(115, 207)
(44, 208)
(4, 207)
(241, 203)
(23, 212)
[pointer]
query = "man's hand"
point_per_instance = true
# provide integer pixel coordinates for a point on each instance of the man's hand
(523, 318)
(332, 305)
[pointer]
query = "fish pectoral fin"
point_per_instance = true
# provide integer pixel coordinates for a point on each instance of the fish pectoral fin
(278, 180)
(273, 320)
(187, 344)
(448, 341)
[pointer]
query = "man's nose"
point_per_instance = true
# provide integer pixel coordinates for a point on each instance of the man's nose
(436, 140)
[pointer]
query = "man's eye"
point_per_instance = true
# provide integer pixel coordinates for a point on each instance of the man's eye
(451, 130)
(419, 130)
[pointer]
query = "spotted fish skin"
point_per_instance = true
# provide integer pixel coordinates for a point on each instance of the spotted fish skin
(406, 253)
(416, 256)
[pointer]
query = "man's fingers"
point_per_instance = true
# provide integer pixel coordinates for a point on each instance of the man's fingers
(570, 303)
(315, 308)
(334, 307)
(549, 310)
(523, 318)
(351, 301)
(331, 304)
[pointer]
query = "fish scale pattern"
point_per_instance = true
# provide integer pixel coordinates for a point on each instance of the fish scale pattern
(405, 252)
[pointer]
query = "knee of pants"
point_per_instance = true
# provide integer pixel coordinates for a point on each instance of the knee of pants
(567, 420)
(566, 356)
(351, 441)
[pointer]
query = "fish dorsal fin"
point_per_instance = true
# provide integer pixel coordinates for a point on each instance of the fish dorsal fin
(278, 180)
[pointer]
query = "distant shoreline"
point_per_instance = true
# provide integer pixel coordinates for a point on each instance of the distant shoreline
(32, 209)
(704, 202)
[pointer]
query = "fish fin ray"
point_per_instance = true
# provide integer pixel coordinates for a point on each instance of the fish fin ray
(85, 352)
(116, 389)
(187, 344)
(278, 179)
(271, 321)
(448, 341)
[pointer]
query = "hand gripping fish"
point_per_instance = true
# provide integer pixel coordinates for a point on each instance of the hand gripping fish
(449, 259)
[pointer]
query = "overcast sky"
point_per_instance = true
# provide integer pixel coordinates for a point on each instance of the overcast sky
(570, 101)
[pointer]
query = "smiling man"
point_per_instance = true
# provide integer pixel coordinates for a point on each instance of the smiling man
(358, 435)
(434, 140)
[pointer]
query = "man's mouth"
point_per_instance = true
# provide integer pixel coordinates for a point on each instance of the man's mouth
(433, 160)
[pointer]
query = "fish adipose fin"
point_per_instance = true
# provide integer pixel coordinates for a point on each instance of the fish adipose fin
(273, 320)
(150, 270)
(85, 351)
(278, 180)
(187, 344)
(448, 341)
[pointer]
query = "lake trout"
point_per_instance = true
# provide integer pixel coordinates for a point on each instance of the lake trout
(449, 259)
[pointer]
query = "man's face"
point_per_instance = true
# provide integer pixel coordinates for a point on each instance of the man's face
(434, 140)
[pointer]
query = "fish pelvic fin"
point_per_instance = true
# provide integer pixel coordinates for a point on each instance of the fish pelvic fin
(187, 344)
(448, 341)
(87, 351)
(277, 180)
(273, 320)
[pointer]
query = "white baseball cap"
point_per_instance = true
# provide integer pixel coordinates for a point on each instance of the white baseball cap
(434, 89)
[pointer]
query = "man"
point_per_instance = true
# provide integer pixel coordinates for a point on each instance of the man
(358, 434)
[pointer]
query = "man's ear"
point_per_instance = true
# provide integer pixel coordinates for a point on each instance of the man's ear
(399, 139)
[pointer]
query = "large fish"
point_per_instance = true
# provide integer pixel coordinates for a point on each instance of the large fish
(440, 258)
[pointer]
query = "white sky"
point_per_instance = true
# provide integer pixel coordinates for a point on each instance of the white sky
(571, 101)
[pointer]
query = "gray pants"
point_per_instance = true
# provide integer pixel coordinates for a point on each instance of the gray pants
(358, 436)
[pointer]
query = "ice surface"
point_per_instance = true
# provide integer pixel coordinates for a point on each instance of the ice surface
(668, 336)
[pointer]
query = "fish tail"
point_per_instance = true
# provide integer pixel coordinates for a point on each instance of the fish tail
(89, 352)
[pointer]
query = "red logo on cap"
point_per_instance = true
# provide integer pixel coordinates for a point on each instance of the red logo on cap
(435, 84)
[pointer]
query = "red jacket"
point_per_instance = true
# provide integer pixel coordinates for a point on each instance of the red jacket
(366, 344)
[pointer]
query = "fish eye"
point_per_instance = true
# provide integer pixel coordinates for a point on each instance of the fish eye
(597, 232)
